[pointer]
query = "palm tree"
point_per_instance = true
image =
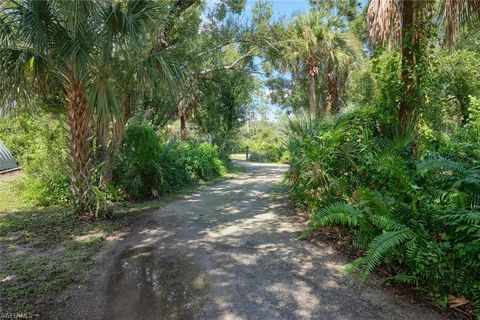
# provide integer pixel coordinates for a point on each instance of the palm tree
(405, 23)
(341, 51)
(323, 54)
(148, 72)
(70, 43)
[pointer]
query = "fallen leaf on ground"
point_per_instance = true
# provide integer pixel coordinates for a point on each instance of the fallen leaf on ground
(455, 302)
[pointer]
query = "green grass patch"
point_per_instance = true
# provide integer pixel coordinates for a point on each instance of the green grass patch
(29, 282)
(10, 199)
(52, 226)
(237, 156)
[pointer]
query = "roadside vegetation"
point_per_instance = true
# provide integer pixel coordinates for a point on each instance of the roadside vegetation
(394, 159)
(112, 107)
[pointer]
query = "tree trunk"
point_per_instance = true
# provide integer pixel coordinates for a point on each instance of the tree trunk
(409, 98)
(117, 138)
(332, 94)
(183, 112)
(80, 155)
(312, 96)
(183, 127)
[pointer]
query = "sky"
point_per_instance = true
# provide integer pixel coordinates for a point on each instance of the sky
(286, 8)
(283, 8)
(280, 9)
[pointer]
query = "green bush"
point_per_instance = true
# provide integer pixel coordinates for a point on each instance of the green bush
(147, 167)
(142, 167)
(200, 161)
(416, 216)
(37, 139)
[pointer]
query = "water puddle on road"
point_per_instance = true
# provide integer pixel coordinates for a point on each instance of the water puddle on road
(148, 284)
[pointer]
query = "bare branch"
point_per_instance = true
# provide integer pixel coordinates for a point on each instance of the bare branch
(228, 67)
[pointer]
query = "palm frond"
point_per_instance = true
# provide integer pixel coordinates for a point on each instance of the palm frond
(453, 13)
(383, 19)
(102, 99)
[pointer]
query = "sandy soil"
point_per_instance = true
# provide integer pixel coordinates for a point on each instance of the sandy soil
(229, 251)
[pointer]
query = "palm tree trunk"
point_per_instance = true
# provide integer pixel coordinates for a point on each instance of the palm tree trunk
(183, 127)
(312, 96)
(80, 157)
(410, 48)
(128, 104)
(332, 94)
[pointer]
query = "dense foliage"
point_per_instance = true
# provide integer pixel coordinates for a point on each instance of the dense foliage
(413, 214)
(146, 166)
(418, 217)
(115, 100)
(38, 142)
(264, 137)
(99, 64)
(398, 166)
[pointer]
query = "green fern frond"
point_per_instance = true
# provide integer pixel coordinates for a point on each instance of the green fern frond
(375, 201)
(402, 210)
(338, 213)
(381, 246)
(471, 217)
(467, 223)
(404, 278)
(411, 247)
(354, 266)
(469, 182)
(440, 166)
(386, 223)
(365, 233)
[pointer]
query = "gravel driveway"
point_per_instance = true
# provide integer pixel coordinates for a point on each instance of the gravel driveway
(229, 251)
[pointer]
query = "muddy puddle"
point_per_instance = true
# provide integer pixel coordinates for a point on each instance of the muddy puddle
(148, 284)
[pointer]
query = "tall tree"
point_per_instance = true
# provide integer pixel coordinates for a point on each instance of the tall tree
(407, 23)
(321, 52)
(70, 42)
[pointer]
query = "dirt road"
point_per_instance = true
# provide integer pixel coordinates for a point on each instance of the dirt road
(228, 251)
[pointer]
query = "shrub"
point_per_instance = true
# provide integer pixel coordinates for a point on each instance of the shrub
(200, 161)
(46, 181)
(148, 167)
(265, 140)
(38, 141)
(417, 217)
(142, 164)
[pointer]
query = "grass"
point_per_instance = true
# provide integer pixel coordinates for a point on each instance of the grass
(9, 193)
(46, 250)
(30, 282)
(237, 156)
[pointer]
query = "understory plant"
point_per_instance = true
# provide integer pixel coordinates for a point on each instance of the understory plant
(147, 166)
(416, 217)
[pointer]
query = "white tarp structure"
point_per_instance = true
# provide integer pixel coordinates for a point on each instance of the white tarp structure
(7, 161)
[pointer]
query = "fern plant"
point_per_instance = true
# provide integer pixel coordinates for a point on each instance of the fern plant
(377, 228)
(418, 244)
